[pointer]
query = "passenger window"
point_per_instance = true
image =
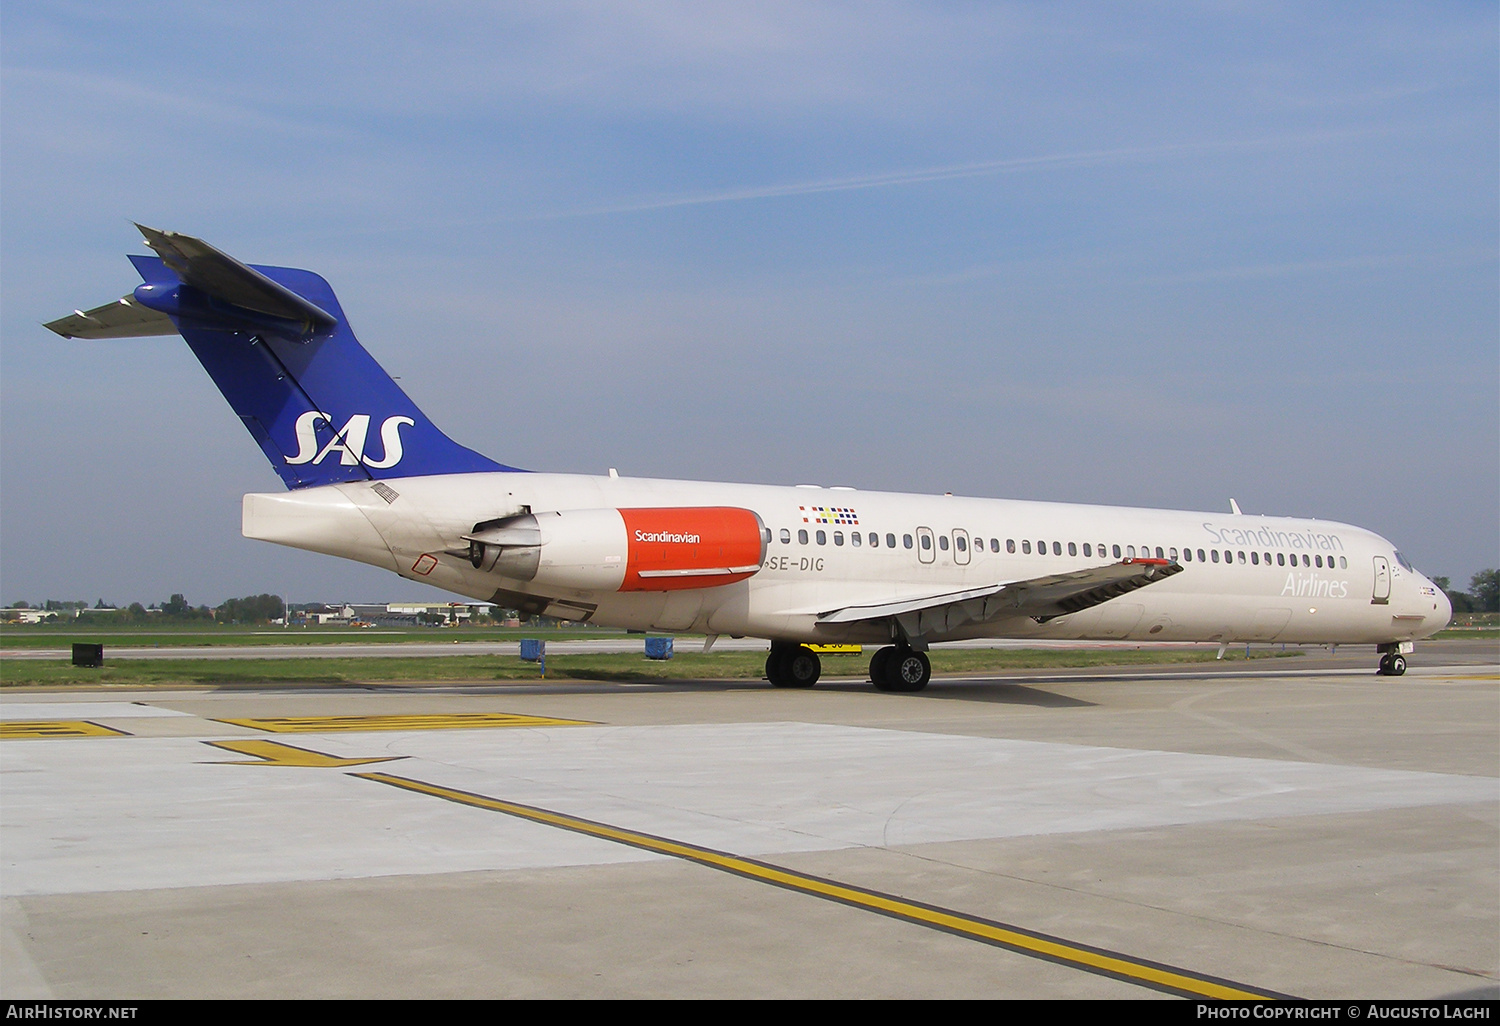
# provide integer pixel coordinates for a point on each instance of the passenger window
(1343, 563)
(1010, 545)
(1187, 555)
(786, 536)
(1281, 559)
(1117, 552)
(1242, 555)
(1057, 548)
(802, 537)
(1086, 551)
(1072, 548)
(1200, 555)
(890, 541)
(1215, 553)
(838, 537)
(854, 537)
(926, 543)
(874, 540)
(1266, 558)
(1025, 547)
(1130, 552)
(1318, 561)
(1255, 558)
(960, 545)
(942, 542)
(1304, 559)
(1172, 554)
(995, 545)
(822, 537)
(1158, 553)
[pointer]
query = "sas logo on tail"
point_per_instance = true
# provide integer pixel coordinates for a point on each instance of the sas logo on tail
(349, 440)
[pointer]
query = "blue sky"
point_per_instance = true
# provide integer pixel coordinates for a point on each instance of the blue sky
(1156, 254)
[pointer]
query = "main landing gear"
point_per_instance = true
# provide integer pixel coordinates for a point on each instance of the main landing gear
(899, 668)
(792, 666)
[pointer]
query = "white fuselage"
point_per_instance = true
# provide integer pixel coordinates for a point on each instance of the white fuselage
(1244, 578)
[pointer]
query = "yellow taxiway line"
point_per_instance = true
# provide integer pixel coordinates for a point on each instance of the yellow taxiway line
(11, 730)
(1037, 945)
(398, 721)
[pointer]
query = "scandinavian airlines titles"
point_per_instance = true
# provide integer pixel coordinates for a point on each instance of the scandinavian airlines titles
(1275, 539)
(666, 536)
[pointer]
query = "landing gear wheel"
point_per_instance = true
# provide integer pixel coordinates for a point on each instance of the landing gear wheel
(1392, 664)
(802, 668)
(902, 670)
(793, 666)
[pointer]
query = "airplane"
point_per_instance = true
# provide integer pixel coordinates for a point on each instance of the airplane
(370, 478)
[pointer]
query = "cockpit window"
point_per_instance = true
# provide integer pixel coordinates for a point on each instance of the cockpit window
(1402, 560)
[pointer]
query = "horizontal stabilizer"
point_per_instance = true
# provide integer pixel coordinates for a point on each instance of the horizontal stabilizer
(221, 276)
(124, 318)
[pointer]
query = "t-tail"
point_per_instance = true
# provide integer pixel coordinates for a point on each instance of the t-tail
(275, 341)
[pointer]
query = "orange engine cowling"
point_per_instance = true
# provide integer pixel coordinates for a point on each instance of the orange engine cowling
(656, 549)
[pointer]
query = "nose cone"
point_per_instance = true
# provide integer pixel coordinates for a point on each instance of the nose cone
(1443, 613)
(1432, 602)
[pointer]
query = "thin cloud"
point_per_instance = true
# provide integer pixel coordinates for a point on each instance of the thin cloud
(1456, 257)
(918, 176)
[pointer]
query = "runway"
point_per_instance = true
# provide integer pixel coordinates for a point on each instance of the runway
(1132, 833)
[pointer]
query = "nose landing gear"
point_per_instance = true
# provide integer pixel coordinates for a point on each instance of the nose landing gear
(1393, 657)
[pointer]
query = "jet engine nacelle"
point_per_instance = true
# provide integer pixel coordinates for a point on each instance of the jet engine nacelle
(660, 549)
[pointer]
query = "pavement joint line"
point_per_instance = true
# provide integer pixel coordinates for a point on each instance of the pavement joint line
(1098, 961)
(275, 753)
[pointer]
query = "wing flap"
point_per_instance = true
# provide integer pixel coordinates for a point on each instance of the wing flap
(1041, 598)
(879, 611)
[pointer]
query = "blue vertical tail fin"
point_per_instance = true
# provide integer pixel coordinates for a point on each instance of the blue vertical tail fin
(275, 341)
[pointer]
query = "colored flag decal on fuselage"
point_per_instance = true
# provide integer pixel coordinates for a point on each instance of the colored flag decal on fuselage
(829, 515)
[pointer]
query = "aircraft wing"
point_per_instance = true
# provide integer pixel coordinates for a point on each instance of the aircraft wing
(124, 318)
(1040, 598)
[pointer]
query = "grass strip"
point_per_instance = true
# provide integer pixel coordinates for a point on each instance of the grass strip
(623, 667)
